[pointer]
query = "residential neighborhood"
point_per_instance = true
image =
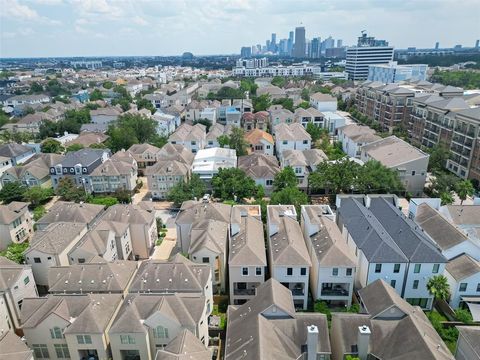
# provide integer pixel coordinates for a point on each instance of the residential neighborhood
(304, 201)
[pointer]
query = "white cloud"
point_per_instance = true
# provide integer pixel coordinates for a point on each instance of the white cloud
(140, 21)
(14, 10)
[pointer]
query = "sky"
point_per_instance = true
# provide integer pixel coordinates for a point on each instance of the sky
(46, 28)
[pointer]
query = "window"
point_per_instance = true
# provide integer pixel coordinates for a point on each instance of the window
(415, 284)
(417, 268)
(160, 332)
(26, 280)
(463, 287)
(335, 271)
(284, 142)
(378, 268)
(478, 287)
(303, 271)
(127, 339)
(290, 271)
(62, 351)
(84, 339)
(396, 268)
(37, 260)
(258, 271)
(40, 351)
(245, 271)
(413, 173)
(56, 333)
(393, 283)
(435, 268)
(269, 182)
(298, 170)
(422, 302)
(349, 272)
(81, 260)
(305, 142)
(205, 260)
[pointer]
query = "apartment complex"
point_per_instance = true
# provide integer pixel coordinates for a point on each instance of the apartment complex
(394, 73)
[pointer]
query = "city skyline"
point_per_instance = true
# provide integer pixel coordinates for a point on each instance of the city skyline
(38, 28)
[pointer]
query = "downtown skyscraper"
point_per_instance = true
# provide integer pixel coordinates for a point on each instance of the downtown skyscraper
(299, 45)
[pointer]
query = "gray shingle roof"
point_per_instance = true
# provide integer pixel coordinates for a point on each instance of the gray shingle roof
(12, 150)
(65, 211)
(56, 237)
(247, 247)
(462, 267)
(84, 156)
(183, 347)
(13, 348)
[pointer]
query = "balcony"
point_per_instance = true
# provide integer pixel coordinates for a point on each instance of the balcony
(329, 289)
(245, 288)
(297, 289)
(240, 292)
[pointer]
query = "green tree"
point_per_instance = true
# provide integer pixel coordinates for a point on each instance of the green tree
(51, 146)
(279, 81)
(183, 191)
(463, 315)
(304, 105)
(107, 85)
(314, 131)
(121, 138)
(205, 122)
(68, 191)
(233, 184)
(305, 94)
(259, 192)
(96, 95)
(446, 198)
(438, 287)
(144, 127)
(290, 196)
(145, 104)
(262, 102)
(123, 196)
(37, 195)
(157, 140)
(223, 140)
(443, 183)
(38, 212)
(373, 177)
(238, 142)
(74, 147)
(464, 189)
(285, 178)
(36, 88)
(14, 252)
(438, 158)
(248, 85)
(12, 191)
(287, 103)
(338, 177)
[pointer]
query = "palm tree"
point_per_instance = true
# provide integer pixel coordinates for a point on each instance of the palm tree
(464, 189)
(438, 287)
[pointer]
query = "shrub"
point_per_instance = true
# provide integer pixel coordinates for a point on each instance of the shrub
(463, 316)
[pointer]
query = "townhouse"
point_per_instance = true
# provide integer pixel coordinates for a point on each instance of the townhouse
(450, 239)
(354, 136)
(142, 226)
(258, 120)
(323, 102)
(273, 91)
(66, 326)
(65, 211)
(50, 247)
(147, 323)
(119, 172)
(166, 123)
(288, 258)
(31, 123)
(280, 115)
(185, 344)
(208, 162)
(105, 116)
(12, 347)
(16, 224)
(193, 137)
(463, 275)
(202, 232)
(17, 153)
(333, 271)
(92, 278)
(216, 131)
(19, 100)
(467, 343)
(383, 311)
(247, 260)
(267, 327)
(16, 284)
(178, 275)
(389, 246)
(303, 163)
(34, 172)
(310, 115)
(259, 141)
(5, 164)
(261, 168)
(408, 161)
(230, 116)
(78, 166)
(291, 137)
(145, 155)
(88, 138)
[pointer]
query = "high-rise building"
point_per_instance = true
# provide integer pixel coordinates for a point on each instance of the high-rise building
(315, 45)
(273, 43)
(290, 43)
(368, 51)
(437, 45)
(339, 43)
(299, 45)
(246, 51)
(329, 43)
(477, 44)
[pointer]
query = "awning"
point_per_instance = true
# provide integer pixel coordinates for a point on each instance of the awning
(475, 310)
(471, 299)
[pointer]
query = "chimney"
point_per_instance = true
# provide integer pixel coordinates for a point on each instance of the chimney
(312, 341)
(363, 341)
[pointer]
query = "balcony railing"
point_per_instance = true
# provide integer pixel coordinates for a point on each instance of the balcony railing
(298, 292)
(334, 292)
(243, 291)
